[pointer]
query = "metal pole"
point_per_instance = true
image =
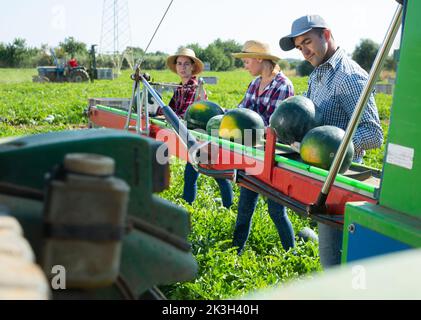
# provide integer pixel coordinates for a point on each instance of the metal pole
(135, 86)
(199, 91)
(146, 111)
(362, 102)
(139, 111)
(180, 129)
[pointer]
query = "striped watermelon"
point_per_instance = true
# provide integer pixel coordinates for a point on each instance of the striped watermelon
(320, 145)
(214, 124)
(293, 118)
(242, 126)
(199, 113)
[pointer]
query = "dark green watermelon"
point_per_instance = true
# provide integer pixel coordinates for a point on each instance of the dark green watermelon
(243, 126)
(199, 113)
(320, 145)
(213, 125)
(293, 118)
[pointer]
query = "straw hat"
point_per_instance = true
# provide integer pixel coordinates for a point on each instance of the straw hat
(186, 52)
(257, 50)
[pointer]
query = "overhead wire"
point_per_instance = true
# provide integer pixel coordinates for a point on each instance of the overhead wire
(154, 34)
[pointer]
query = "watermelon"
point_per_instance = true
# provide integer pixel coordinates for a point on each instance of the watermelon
(214, 124)
(320, 145)
(293, 118)
(199, 113)
(243, 126)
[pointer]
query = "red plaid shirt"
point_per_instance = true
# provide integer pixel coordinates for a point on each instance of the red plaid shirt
(278, 90)
(184, 96)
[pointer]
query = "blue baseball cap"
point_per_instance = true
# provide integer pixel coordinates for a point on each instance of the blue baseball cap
(299, 27)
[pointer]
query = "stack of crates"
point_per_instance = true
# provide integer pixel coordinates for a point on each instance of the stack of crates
(105, 74)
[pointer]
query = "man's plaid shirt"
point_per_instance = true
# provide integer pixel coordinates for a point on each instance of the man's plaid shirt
(279, 89)
(335, 88)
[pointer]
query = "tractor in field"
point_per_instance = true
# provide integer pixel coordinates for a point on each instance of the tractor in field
(70, 71)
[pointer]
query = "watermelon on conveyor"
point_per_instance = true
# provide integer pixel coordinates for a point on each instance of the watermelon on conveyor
(293, 118)
(199, 113)
(320, 145)
(243, 126)
(214, 124)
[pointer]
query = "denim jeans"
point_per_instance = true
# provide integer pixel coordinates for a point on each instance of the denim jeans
(246, 206)
(190, 187)
(330, 245)
(330, 242)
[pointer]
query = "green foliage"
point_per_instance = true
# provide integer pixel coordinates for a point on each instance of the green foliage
(365, 53)
(155, 62)
(390, 64)
(198, 50)
(304, 68)
(25, 107)
(73, 47)
(16, 54)
(293, 63)
(223, 274)
(16, 75)
(216, 57)
(300, 85)
(219, 54)
(284, 65)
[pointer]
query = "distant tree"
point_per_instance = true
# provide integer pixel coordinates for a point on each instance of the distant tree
(42, 57)
(284, 65)
(304, 68)
(137, 51)
(105, 61)
(293, 64)
(218, 54)
(390, 64)
(73, 47)
(15, 54)
(18, 55)
(198, 50)
(156, 62)
(229, 47)
(217, 58)
(3, 55)
(365, 53)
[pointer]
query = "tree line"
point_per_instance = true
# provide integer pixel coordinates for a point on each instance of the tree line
(218, 54)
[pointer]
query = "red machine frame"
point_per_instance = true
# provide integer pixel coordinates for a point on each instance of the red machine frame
(294, 189)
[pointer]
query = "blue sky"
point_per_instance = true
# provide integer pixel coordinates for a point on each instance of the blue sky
(201, 21)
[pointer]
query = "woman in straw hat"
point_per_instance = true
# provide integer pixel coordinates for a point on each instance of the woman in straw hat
(263, 95)
(187, 66)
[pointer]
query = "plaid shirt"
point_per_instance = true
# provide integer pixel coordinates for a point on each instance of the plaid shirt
(335, 88)
(184, 96)
(279, 89)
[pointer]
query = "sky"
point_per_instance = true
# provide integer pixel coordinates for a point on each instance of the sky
(191, 21)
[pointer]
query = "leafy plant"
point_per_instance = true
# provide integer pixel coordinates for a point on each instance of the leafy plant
(25, 108)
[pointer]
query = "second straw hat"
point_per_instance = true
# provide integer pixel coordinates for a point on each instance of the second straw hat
(258, 50)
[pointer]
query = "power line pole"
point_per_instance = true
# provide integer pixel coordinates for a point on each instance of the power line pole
(116, 33)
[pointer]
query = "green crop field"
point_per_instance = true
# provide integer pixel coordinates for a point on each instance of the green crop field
(30, 108)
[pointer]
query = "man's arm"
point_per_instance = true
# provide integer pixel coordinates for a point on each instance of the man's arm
(369, 134)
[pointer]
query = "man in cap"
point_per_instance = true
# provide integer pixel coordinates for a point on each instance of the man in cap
(335, 87)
